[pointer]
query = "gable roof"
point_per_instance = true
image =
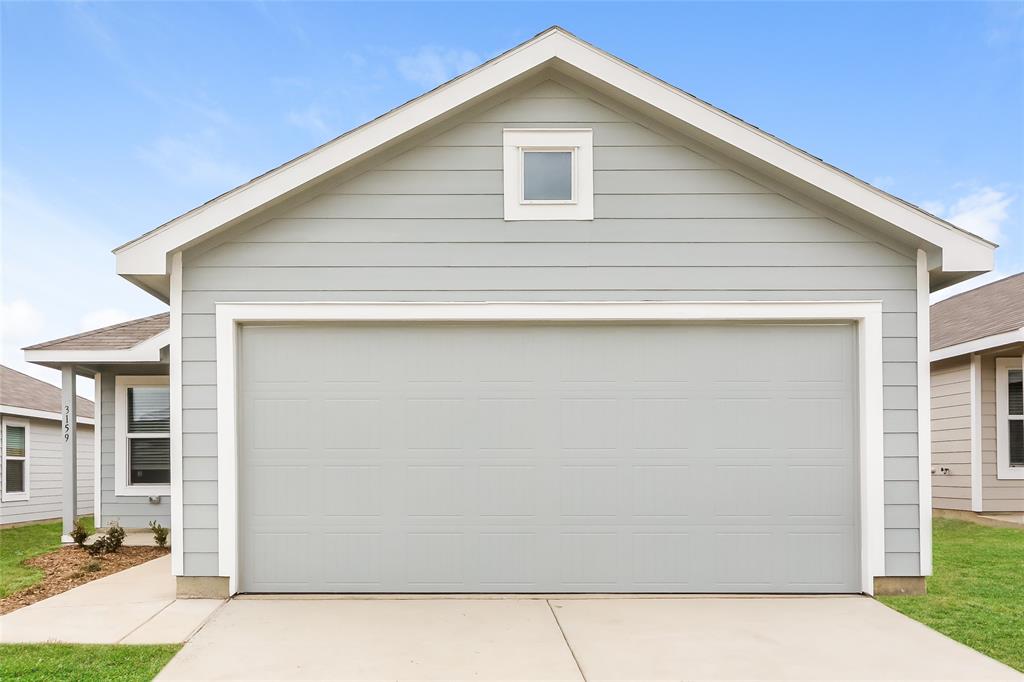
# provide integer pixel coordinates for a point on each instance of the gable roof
(954, 254)
(134, 341)
(35, 398)
(986, 317)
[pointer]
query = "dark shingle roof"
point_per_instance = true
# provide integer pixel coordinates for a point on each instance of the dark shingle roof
(991, 309)
(21, 390)
(115, 337)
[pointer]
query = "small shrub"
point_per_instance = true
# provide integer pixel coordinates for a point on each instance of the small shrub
(92, 567)
(109, 542)
(79, 533)
(159, 533)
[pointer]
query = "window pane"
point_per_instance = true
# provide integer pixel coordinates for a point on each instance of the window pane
(1016, 392)
(547, 176)
(149, 460)
(1016, 443)
(149, 409)
(15, 441)
(14, 477)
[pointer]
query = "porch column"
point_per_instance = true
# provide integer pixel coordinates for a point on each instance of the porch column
(69, 436)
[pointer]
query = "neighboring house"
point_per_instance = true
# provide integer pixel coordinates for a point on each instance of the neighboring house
(977, 411)
(128, 363)
(554, 326)
(31, 471)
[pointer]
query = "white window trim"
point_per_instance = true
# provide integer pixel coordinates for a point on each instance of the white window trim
(122, 487)
(579, 141)
(1003, 468)
(866, 314)
(22, 496)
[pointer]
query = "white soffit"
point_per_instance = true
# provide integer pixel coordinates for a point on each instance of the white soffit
(952, 250)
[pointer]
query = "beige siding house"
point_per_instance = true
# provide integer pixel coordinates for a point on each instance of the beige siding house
(977, 343)
(31, 433)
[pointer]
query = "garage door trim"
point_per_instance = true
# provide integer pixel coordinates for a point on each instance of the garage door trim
(866, 314)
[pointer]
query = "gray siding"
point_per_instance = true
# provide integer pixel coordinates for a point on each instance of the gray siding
(951, 434)
(426, 225)
(46, 474)
(128, 511)
(997, 495)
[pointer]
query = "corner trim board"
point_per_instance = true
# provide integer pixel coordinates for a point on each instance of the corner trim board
(924, 415)
(867, 314)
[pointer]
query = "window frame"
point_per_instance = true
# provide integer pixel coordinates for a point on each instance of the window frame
(27, 459)
(122, 480)
(1003, 468)
(579, 142)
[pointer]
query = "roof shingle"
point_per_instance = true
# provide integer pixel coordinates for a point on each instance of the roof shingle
(21, 390)
(115, 337)
(991, 309)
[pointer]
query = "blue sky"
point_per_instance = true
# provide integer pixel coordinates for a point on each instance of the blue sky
(119, 116)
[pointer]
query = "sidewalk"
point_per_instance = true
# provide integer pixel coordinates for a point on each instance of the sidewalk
(135, 606)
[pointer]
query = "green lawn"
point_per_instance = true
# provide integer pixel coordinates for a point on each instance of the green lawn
(25, 542)
(83, 662)
(976, 595)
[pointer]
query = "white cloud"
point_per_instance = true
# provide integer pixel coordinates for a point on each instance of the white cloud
(194, 159)
(104, 317)
(311, 118)
(22, 322)
(432, 65)
(983, 212)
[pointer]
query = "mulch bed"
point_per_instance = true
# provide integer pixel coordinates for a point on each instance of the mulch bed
(70, 567)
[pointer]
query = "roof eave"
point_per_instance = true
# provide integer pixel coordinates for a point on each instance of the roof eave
(979, 345)
(145, 352)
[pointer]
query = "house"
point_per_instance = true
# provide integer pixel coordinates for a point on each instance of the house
(553, 326)
(31, 468)
(977, 344)
(128, 363)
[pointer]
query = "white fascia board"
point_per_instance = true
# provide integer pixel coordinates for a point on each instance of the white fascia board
(39, 414)
(147, 255)
(979, 345)
(146, 351)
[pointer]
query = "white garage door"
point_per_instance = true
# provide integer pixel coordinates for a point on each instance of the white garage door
(548, 458)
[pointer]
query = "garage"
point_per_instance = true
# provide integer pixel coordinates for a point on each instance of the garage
(545, 456)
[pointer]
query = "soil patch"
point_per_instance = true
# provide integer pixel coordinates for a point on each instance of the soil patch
(70, 567)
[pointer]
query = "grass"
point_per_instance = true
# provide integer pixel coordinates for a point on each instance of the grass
(25, 542)
(976, 595)
(84, 662)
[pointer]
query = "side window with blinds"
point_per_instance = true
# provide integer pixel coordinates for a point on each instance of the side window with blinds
(15, 460)
(1009, 419)
(142, 443)
(1015, 416)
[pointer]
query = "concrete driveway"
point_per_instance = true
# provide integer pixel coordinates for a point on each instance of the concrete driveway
(573, 639)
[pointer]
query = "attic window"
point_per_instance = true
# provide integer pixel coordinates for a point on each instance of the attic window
(549, 174)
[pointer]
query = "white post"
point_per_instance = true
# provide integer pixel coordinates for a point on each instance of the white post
(69, 436)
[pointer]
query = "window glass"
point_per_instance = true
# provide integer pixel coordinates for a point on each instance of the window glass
(15, 476)
(547, 176)
(149, 461)
(149, 409)
(15, 441)
(1015, 392)
(14, 466)
(1016, 443)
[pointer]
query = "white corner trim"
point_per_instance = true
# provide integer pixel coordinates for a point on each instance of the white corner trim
(97, 451)
(145, 351)
(517, 141)
(39, 414)
(26, 494)
(146, 255)
(177, 502)
(122, 488)
(924, 414)
(867, 314)
(976, 471)
(979, 345)
(1003, 469)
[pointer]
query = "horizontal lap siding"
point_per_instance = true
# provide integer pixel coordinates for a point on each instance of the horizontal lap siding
(427, 225)
(46, 474)
(998, 495)
(951, 434)
(128, 511)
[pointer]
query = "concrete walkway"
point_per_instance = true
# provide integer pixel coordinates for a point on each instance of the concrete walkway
(135, 606)
(573, 639)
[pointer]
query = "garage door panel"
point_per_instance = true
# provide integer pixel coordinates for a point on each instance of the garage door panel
(547, 458)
